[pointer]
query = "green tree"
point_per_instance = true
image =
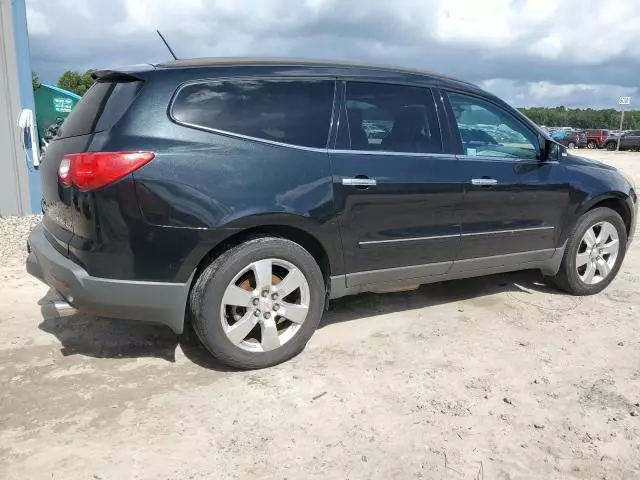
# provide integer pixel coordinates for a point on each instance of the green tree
(76, 82)
(582, 118)
(35, 80)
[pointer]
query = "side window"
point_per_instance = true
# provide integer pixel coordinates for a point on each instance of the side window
(392, 118)
(297, 112)
(487, 130)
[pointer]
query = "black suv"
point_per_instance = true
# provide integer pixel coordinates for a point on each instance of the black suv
(243, 194)
(628, 141)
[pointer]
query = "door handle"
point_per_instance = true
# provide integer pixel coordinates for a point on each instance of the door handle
(359, 181)
(484, 182)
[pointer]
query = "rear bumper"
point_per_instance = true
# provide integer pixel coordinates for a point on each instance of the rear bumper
(154, 302)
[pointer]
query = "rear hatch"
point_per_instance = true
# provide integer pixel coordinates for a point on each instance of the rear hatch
(98, 110)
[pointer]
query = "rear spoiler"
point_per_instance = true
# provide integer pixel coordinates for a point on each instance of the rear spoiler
(126, 74)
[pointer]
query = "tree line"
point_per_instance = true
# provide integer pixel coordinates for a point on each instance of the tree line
(583, 117)
(548, 116)
(76, 82)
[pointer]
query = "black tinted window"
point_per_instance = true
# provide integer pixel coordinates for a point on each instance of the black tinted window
(119, 101)
(289, 111)
(100, 108)
(392, 118)
(83, 117)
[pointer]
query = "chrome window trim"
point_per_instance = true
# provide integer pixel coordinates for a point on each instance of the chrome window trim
(385, 152)
(488, 158)
(311, 149)
(247, 137)
(441, 237)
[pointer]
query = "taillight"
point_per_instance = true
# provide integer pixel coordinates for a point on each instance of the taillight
(91, 170)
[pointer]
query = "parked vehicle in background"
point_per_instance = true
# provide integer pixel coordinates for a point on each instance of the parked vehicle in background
(628, 141)
(596, 138)
(570, 138)
(242, 194)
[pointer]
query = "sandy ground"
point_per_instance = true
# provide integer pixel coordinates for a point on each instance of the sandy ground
(498, 378)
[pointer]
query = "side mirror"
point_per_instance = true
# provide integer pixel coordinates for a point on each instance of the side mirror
(549, 150)
(545, 147)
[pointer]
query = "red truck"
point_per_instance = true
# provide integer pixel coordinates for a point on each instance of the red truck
(596, 138)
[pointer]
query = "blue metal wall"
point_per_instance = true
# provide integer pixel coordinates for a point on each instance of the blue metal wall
(21, 39)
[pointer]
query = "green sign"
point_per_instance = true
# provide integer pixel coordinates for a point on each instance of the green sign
(62, 105)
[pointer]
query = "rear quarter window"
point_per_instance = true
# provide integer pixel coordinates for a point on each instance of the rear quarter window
(100, 108)
(296, 112)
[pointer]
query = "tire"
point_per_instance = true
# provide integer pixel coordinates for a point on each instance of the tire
(212, 320)
(571, 145)
(611, 146)
(568, 277)
(592, 145)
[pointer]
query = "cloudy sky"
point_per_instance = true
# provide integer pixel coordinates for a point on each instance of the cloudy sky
(530, 52)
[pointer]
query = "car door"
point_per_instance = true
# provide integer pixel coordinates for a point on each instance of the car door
(629, 140)
(624, 140)
(398, 195)
(633, 139)
(513, 202)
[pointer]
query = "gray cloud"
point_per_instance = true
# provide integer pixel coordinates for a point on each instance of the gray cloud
(523, 50)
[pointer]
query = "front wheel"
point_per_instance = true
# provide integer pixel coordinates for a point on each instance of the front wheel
(611, 146)
(593, 254)
(571, 145)
(257, 304)
(592, 145)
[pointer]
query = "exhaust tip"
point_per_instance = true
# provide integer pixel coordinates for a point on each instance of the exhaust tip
(62, 309)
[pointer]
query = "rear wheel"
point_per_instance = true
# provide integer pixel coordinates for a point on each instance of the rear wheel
(593, 254)
(571, 145)
(258, 304)
(611, 146)
(592, 145)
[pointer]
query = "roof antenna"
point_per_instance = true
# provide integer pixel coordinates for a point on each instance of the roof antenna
(167, 45)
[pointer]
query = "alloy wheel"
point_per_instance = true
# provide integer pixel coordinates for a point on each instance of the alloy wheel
(265, 305)
(597, 253)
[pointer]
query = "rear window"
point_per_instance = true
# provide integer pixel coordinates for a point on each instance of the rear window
(100, 108)
(297, 112)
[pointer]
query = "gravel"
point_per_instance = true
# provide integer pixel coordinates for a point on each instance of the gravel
(13, 237)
